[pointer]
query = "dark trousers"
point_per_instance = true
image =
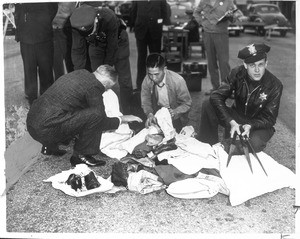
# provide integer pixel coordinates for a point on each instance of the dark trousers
(37, 61)
(122, 66)
(217, 52)
(62, 52)
(88, 124)
(154, 45)
(208, 131)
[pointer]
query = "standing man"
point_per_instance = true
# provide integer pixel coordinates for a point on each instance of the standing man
(100, 37)
(35, 34)
(215, 37)
(72, 106)
(257, 94)
(164, 88)
(148, 17)
(62, 31)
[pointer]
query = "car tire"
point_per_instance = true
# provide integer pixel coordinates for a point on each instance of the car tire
(283, 33)
(261, 31)
(237, 33)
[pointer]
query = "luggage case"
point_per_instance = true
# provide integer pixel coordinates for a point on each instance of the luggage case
(195, 67)
(193, 80)
(174, 64)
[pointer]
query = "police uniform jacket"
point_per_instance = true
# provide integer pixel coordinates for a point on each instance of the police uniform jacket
(108, 29)
(208, 15)
(258, 104)
(145, 16)
(34, 22)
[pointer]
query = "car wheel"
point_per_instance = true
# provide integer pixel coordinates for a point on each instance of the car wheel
(261, 31)
(283, 33)
(237, 33)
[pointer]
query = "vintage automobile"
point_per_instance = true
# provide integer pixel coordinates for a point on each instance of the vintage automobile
(263, 16)
(237, 27)
(178, 14)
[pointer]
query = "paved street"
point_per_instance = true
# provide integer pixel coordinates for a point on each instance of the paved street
(35, 207)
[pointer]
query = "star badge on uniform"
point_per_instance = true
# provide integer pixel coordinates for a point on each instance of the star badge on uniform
(263, 96)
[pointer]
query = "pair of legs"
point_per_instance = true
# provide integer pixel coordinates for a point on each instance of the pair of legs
(38, 64)
(217, 52)
(62, 39)
(208, 131)
(154, 45)
(88, 124)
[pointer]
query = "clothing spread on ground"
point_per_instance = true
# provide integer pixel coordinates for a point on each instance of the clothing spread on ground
(178, 163)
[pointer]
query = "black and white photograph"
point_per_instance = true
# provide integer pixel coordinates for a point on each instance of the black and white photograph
(152, 118)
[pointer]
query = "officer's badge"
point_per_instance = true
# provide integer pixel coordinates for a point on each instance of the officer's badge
(252, 50)
(263, 96)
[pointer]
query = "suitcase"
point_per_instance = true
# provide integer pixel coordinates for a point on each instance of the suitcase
(193, 80)
(174, 64)
(195, 67)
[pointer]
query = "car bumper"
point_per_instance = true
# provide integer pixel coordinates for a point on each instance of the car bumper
(235, 28)
(275, 27)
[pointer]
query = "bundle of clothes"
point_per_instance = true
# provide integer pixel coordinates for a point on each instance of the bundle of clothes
(158, 158)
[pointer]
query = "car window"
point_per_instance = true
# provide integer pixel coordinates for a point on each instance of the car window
(267, 9)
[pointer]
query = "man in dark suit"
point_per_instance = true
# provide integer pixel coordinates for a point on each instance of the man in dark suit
(35, 34)
(73, 106)
(148, 17)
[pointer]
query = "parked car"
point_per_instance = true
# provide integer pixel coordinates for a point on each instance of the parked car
(237, 27)
(178, 13)
(262, 16)
(186, 3)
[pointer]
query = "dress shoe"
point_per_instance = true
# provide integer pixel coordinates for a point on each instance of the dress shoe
(86, 159)
(52, 151)
(91, 181)
(75, 181)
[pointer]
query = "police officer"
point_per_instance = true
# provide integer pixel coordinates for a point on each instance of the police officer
(100, 37)
(257, 94)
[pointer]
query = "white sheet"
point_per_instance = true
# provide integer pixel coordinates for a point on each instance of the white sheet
(243, 185)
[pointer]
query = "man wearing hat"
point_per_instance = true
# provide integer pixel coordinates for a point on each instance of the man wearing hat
(257, 94)
(99, 37)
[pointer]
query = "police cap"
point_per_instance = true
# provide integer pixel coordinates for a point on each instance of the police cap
(254, 52)
(83, 17)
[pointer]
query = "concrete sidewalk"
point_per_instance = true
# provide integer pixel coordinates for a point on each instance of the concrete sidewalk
(36, 207)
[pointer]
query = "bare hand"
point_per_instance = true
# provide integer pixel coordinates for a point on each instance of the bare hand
(235, 127)
(246, 128)
(171, 111)
(151, 119)
(130, 118)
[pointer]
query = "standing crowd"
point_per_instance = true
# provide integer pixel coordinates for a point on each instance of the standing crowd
(74, 51)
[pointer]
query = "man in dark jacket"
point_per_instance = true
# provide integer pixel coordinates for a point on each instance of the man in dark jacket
(35, 34)
(148, 18)
(73, 106)
(257, 94)
(100, 37)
